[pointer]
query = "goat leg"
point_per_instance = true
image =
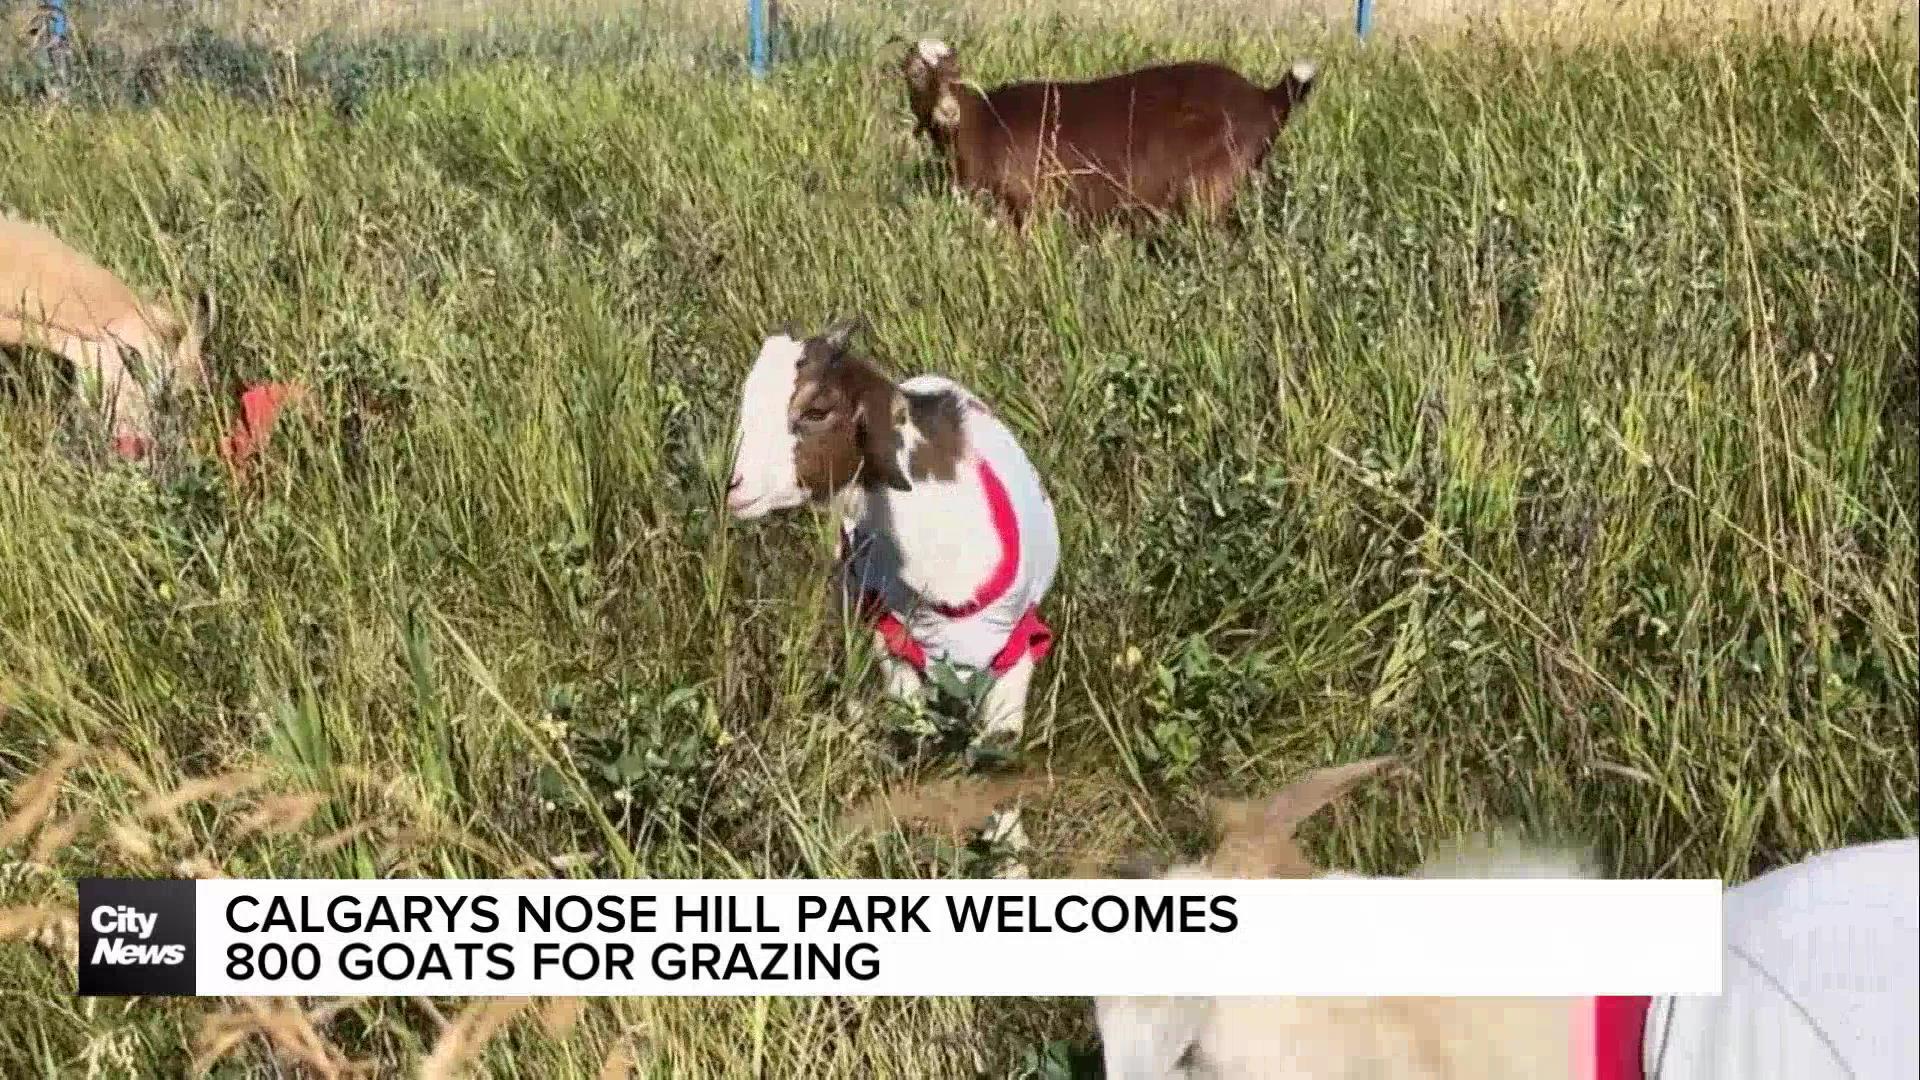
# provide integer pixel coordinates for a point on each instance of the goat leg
(1003, 714)
(903, 682)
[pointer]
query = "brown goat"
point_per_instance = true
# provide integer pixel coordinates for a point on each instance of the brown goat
(1157, 139)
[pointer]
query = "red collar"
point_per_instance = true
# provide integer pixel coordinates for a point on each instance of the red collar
(1619, 1034)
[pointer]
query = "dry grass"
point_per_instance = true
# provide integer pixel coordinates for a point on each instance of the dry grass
(288, 24)
(33, 800)
(463, 1040)
(292, 1033)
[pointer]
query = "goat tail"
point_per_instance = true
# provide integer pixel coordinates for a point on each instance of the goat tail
(1293, 88)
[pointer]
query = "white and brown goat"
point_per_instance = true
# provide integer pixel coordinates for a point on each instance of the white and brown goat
(56, 298)
(1822, 980)
(949, 540)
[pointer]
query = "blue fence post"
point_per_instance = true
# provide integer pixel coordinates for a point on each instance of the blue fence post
(56, 40)
(757, 38)
(1362, 17)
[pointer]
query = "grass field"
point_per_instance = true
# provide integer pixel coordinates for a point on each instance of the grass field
(1555, 424)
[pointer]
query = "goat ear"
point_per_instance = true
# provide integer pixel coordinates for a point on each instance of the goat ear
(1256, 835)
(1294, 804)
(882, 412)
(838, 336)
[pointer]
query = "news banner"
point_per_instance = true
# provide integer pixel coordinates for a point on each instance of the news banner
(1328, 937)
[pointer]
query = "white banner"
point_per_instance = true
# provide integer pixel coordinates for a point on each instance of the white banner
(1334, 937)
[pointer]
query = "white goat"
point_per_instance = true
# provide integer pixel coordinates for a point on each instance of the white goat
(54, 297)
(1822, 982)
(949, 538)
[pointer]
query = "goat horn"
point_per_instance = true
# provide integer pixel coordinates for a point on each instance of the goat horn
(841, 332)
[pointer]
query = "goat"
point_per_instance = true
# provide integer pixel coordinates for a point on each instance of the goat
(54, 297)
(1822, 981)
(1154, 139)
(948, 537)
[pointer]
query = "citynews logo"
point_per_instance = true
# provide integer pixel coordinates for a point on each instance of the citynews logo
(118, 950)
(136, 937)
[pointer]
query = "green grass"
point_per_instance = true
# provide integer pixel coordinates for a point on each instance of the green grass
(1554, 424)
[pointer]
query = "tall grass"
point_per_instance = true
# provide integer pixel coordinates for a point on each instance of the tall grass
(1553, 422)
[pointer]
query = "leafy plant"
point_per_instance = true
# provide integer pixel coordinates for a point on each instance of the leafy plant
(646, 756)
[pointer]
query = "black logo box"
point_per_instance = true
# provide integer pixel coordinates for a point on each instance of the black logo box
(105, 904)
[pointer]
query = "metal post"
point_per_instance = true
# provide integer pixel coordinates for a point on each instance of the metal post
(757, 37)
(55, 39)
(1362, 17)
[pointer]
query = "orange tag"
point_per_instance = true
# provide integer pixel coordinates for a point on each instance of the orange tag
(260, 406)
